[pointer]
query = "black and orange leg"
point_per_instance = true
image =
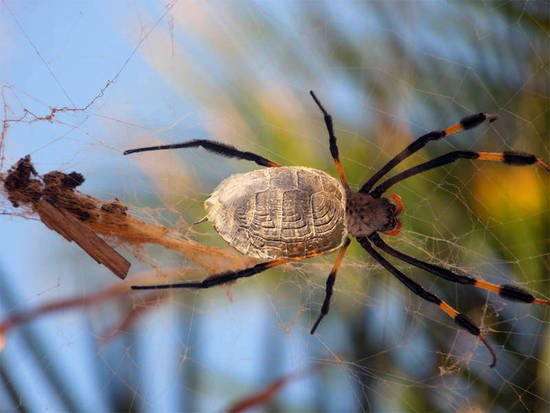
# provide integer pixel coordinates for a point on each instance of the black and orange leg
(509, 158)
(468, 122)
(509, 292)
(332, 141)
(211, 146)
(459, 318)
(330, 284)
(217, 279)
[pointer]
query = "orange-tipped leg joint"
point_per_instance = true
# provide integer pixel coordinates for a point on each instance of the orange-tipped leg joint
(396, 230)
(397, 199)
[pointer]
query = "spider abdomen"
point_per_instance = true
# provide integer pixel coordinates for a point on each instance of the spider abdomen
(282, 212)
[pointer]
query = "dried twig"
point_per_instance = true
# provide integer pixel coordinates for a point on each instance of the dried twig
(73, 230)
(54, 199)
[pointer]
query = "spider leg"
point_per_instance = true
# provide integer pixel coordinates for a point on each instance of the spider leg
(332, 141)
(510, 292)
(468, 122)
(330, 283)
(217, 279)
(459, 318)
(211, 146)
(510, 158)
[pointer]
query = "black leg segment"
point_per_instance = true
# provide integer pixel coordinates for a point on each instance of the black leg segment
(211, 146)
(332, 140)
(434, 269)
(217, 279)
(330, 284)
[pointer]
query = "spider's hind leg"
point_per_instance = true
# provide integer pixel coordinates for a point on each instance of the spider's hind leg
(216, 279)
(211, 146)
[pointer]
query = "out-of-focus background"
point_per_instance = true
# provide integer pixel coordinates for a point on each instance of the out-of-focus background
(147, 72)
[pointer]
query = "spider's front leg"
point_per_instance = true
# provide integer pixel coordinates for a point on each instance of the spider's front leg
(459, 318)
(509, 158)
(509, 292)
(465, 123)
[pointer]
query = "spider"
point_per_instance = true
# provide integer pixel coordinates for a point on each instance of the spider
(282, 213)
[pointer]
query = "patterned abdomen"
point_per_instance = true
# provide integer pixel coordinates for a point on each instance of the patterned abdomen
(279, 212)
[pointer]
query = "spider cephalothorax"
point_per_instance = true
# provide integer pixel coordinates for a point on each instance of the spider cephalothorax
(292, 213)
(366, 215)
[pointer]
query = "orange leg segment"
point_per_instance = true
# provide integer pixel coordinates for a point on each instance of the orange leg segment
(397, 199)
(396, 230)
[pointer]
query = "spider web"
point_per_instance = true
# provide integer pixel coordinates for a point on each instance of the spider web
(82, 83)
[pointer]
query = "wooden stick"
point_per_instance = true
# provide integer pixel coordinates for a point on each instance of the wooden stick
(73, 230)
